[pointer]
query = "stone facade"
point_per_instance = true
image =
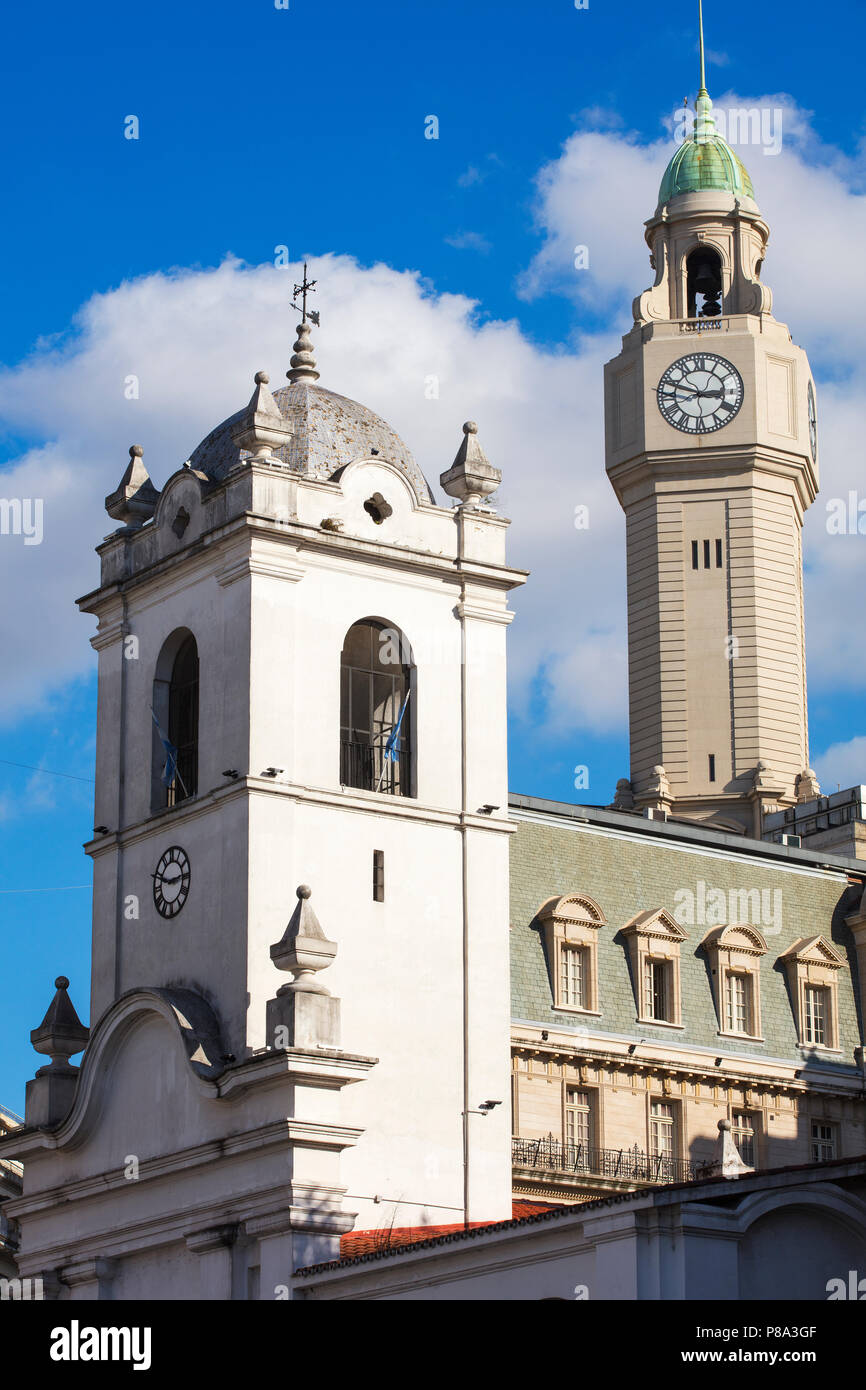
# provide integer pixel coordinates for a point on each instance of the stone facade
(714, 472)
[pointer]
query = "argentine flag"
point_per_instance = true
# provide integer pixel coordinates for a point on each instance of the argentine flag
(391, 749)
(169, 772)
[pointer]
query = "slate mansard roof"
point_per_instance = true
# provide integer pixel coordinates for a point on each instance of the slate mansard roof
(629, 865)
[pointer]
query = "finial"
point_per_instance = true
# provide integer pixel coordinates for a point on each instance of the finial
(61, 1033)
(471, 476)
(304, 949)
(303, 366)
(261, 428)
(134, 500)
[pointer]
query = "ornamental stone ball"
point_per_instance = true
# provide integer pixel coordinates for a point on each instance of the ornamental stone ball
(262, 378)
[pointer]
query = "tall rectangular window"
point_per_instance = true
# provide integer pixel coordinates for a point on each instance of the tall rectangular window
(815, 1015)
(823, 1141)
(706, 555)
(578, 1118)
(662, 1129)
(695, 555)
(712, 766)
(656, 989)
(718, 555)
(572, 964)
(738, 1001)
(743, 1135)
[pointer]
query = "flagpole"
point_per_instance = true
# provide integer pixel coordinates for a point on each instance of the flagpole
(393, 727)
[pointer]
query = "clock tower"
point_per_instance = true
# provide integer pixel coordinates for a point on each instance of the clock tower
(711, 447)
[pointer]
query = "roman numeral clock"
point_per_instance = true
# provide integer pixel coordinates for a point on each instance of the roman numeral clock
(700, 393)
(171, 882)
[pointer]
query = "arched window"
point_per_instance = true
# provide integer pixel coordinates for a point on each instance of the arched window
(704, 283)
(376, 718)
(175, 711)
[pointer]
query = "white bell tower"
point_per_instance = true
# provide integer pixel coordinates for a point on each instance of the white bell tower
(302, 721)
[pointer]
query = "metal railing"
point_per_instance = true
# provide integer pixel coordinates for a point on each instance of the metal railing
(364, 765)
(623, 1165)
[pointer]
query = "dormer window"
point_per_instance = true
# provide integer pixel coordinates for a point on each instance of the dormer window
(812, 965)
(654, 939)
(571, 926)
(735, 953)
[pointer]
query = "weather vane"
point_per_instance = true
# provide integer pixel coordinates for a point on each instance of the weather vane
(303, 290)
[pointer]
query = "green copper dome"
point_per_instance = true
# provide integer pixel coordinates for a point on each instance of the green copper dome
(707, 163)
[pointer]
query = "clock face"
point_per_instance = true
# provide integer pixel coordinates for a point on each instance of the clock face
(813, 423)
(700, 393)
(171, 882)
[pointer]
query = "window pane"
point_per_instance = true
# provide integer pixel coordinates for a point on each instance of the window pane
(572, 977)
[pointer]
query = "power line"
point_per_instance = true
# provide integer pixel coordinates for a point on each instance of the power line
(49, 770)
(68, 888)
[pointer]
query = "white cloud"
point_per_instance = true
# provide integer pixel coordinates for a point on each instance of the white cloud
(469, 241)
(842, 766)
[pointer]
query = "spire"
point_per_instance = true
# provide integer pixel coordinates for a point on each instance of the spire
(702, 92)
(705, 125)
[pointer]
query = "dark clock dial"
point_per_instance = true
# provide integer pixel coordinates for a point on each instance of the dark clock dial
(813, 423)
(171, 882)
(700, 393)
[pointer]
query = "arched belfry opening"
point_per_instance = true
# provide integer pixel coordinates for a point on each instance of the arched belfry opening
(376, 709)
(175, 710)
(704, 283)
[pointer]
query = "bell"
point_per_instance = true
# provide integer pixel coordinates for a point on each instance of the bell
(711, 308)
(706, 281)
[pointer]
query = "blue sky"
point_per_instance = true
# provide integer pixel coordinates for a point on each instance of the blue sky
(305, 127)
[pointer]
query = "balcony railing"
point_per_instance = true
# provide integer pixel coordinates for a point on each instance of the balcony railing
(621, 1165)
(363, 764)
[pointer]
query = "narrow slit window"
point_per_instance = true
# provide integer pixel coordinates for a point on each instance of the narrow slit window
(712, 762)
(378, 875)
(706, 555)
(718, 555)
(695, 555)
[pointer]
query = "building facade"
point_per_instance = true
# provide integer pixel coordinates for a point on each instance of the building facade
(666, 977)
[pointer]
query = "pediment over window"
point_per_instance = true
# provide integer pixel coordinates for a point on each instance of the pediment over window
(745, 940)
(657, 923)
(576, 909)
(815, 950)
